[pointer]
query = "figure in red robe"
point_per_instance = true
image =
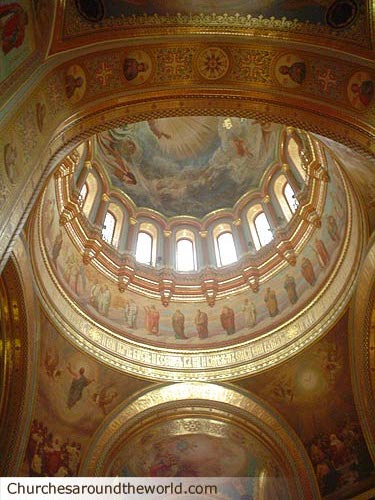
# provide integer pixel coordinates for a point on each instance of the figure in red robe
(227, 320)
(307, 271)
(13, 28)
(201, 322)
(152, 320)
(321, 253)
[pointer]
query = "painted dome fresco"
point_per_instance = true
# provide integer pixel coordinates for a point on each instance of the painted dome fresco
(187, 165)
(217, 237)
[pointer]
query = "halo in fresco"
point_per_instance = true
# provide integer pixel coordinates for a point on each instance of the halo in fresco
(290, 70)
(137, 67)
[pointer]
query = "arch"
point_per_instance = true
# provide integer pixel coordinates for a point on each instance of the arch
(88, 202)
(225, 248)
(362, 346)
(185, 249)
(109, 226)
(83, 195)
(118, 212)
(220, 403)
(295, 154)
(146, 245)
(260, 228)
(285, 196)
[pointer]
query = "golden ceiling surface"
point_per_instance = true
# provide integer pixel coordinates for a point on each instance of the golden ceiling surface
(318, 263)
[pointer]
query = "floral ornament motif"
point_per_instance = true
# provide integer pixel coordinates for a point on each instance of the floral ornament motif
(192, 425)
(213, 63)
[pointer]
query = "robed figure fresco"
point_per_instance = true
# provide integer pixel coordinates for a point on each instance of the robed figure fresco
(307, 271)
(332, 227)
(152, 320)
(271, 302)
(290, 287)
(79, 382)
(227, 320)
(178, 324)
(321, 253)
(250, 313)
(201, 322)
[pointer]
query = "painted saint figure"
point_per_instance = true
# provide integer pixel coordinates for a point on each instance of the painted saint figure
(307, 271)
(290, 287)
(250, 313)
(132, 67)
(321, 253)
(79, 382)
(131, 313)
(178, 324)
(271, 302)
(201, 322)
(333, 230)
(104, 300)
(57, 248)
(296, 71)
(363, 91)
(94, 295)
(71, 84)
(152, 320)
(13, 28)
(227, 320)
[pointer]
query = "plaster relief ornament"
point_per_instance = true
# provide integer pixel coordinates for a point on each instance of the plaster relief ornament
(75, 83)
(360, 90)
(290, 71)
(137, 67)
(213, 63)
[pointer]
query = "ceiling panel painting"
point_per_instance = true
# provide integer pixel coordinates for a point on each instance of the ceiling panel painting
(17, 36)
(188, 165)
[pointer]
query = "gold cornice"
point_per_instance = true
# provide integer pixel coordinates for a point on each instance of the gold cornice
(74, 31)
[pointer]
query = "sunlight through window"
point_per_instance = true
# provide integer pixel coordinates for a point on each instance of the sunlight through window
(290, 197)
(143, 252)
(227, 250)
(185, 255)
(108, 228)
(263, 229)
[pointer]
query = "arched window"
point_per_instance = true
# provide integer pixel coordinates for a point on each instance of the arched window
(118, 211)
(108, 227)
(92, 189)
(260, 228)
(82, 195)
(185, 251)
(225, 248)
(285, 196)
(295, 154)
(290, 197)
(145, 251)
(263, 229)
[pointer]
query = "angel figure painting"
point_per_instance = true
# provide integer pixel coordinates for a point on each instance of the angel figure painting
(188, 164)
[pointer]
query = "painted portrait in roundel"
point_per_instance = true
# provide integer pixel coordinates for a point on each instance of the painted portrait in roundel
(290, 71)
(137, 67)
(360, 89)
(75, 83)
